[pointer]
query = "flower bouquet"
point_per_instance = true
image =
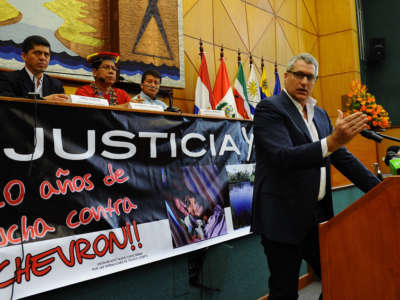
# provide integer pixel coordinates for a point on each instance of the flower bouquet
(359, 99)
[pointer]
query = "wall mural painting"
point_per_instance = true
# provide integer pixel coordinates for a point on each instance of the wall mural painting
(150, 35)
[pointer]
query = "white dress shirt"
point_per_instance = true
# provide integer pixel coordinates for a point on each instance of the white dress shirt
(38, 82)
(310, 103)
(147, 100)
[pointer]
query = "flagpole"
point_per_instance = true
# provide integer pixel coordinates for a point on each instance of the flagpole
(203, 95)
(262, 64)
(277, 88)
(223, 94)
(201, 49)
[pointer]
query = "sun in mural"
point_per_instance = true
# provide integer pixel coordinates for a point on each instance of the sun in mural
(8, 13)
(74, 29)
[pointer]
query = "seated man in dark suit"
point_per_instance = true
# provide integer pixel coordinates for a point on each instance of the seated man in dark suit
(31, 79)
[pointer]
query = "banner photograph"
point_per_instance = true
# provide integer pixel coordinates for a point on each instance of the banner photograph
(87, 192)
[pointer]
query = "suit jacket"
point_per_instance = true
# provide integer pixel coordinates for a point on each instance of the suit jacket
(19, 84)
(287, 176)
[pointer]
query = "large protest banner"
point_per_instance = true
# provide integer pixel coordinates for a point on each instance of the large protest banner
(86, 192)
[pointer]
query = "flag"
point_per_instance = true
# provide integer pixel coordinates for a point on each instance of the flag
(204, 98)
(277, 88)
(264, 87)
(223, 95)
(253, 91)
(240, 94)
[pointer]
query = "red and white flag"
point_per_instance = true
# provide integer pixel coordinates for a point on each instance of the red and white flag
(204, 98)
(223, 94)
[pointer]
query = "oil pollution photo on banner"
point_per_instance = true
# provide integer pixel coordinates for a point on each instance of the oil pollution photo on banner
(241, 183)
(196, 201)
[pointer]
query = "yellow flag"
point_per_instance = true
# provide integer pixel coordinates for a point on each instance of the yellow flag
(264, 86)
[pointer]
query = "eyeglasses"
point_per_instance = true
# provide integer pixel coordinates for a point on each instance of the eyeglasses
(108, 68)
(300, 75)
(155, 82)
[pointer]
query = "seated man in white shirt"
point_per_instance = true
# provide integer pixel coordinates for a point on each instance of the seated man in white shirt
(151, 81)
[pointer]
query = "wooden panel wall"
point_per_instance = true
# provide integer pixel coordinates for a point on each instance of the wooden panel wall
(339, 65)
(339, 57)
(273, 29)
(276, 30)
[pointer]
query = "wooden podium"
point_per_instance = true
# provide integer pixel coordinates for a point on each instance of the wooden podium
(360, 247)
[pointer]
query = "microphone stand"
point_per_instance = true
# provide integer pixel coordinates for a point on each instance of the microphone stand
(388, 137)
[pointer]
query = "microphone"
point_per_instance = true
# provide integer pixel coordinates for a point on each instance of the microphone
(369, 134)
(34, 95)
(101, 79)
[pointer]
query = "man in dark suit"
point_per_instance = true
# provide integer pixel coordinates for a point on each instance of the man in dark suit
(36, 54)
(295, 146)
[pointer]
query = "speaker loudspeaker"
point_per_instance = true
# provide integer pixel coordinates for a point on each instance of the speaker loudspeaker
(376, 49)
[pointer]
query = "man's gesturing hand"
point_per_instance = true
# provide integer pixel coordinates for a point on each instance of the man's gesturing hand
(345, 129)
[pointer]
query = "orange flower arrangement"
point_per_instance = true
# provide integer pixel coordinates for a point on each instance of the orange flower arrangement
(359, 99)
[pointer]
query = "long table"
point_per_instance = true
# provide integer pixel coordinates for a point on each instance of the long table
(88, 191)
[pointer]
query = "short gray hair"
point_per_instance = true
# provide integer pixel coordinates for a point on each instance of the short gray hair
(308, 58)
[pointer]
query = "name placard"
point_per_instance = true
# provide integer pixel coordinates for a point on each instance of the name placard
(212, 113)
(144, 106)
(77, 99)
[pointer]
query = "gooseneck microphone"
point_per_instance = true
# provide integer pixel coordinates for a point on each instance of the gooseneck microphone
(377, 137)
(369, 134)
